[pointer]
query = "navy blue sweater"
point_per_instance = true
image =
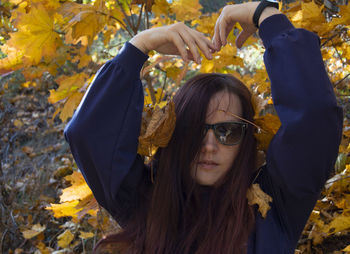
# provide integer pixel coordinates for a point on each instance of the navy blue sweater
(103, 134)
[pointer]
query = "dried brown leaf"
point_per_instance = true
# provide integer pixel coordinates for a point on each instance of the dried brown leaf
(256, 196)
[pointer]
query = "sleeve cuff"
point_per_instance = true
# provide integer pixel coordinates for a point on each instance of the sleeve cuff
(272, 26)
(131, 58)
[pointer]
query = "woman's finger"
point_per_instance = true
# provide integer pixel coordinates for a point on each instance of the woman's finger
(222, 31)
(216, 37)
(180, 45)
(205, 45)
(244, 35)
(191, 44)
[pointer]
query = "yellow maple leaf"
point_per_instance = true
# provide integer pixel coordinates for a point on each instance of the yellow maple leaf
(43, 249)
(86, 235)
(206, 24)
(65, 239)
(65, 209)
(36, 36)
(79, 189)
(347, 249)
(269, 125)
(310, 17)
(76, 200)
(68, 85)
(34, 231)
(345, 14)
(70, 105)
(340, 223)
(161, 8)
(86, 20)
(186, 9)
(49, 4)
(13, 61)
(221, 60)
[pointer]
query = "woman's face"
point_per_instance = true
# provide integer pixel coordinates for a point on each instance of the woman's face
(215, 159)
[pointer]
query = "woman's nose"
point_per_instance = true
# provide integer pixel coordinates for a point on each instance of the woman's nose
(210, 144)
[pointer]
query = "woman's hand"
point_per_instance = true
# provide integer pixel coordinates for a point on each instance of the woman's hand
(176, 39)
(243, 14)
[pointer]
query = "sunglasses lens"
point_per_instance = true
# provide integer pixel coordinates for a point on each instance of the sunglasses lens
(229, 133)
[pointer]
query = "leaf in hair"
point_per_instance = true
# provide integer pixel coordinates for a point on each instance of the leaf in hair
(159, 129)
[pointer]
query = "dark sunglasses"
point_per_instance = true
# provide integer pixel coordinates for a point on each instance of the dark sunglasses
(227, 133)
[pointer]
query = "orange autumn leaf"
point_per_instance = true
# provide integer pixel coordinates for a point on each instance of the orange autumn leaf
(158, 130)
(85, 20)
(70, 105)
(269, 125)
(13, 61)
(256, 196)
(186, 9)
(36, 36)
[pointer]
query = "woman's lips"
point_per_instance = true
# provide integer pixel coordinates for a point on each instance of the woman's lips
(207, 164)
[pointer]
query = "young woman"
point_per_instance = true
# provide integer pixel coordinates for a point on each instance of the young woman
(198, 203)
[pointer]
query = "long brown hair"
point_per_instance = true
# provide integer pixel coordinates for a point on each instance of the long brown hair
(180, 216)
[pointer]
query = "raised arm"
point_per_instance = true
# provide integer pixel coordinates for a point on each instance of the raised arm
(104, 129)
(303, 152)
(103, 133)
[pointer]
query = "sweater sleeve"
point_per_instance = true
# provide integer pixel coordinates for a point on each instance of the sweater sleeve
(303, 152)
(103, 132)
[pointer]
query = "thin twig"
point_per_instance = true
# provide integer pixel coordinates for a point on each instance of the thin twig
(22, 244)
(338, 82)
(61, 33)
(119, 21)
(328, 39)
(2, 239)
(139, 19)
(151, 89)
(83, 243)
(13, 220)
(336, 180)
(95, 238)
(147, 20)
(131, 18)
(339, 55)
(52, 238)
(126, 17)
(99, 223)
(160, 98)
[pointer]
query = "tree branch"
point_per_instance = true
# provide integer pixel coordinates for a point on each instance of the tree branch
(150, 89)
(139, 19)
(338, 82)
(118, 20)
(126, 17)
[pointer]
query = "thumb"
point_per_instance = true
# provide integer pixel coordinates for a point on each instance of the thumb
(244, 35)
(241, 38)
